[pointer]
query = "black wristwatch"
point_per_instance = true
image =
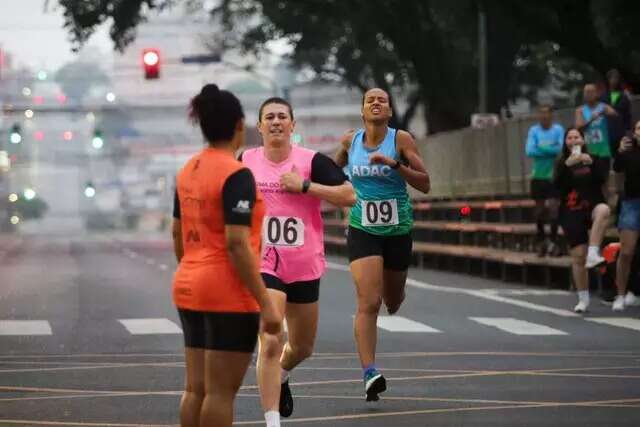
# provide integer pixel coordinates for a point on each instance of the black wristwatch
(397, 165)
(305, 185)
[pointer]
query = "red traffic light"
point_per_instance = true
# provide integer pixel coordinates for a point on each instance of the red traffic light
(151, 63)
(465, 210)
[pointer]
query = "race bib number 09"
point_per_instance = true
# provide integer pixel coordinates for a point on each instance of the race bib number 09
(283, 231)
(379, 212)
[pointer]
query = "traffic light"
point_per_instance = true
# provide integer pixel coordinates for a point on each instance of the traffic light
(151, 63)
(89, 190)
(97, 141)
(15, 135)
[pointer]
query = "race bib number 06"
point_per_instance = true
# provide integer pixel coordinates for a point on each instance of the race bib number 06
(379, 212)
(283, 231)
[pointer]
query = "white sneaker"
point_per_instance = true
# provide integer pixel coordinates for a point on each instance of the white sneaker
(631, 300)
(593, 260)
(618, 303)
(581, 307)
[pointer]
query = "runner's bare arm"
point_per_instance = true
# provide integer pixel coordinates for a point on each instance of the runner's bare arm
(339, 195)
(342, 155)
(176, 232)
(244, 261)
(415, 173)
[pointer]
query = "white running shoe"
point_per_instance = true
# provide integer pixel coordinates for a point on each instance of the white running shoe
(594, 260)
(618, 303)
(631, 300)
(581, 307)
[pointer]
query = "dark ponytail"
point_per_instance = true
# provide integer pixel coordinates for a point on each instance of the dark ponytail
(217, 112)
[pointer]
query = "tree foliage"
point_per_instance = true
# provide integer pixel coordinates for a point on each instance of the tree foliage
(425, 48)
(76, 78)
(82, 17)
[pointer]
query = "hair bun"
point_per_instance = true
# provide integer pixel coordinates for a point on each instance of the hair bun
(210, 90)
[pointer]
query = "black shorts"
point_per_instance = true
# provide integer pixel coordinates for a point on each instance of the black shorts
(543, 189)
(220, 331)
(304, 292)
(576, 225)
(394, 250)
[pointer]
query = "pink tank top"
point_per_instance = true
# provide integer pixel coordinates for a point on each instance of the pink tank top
(292, 232)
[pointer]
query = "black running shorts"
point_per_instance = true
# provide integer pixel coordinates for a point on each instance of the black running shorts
(394, 250)
(220, 331)
(304, 292)
(576, 225)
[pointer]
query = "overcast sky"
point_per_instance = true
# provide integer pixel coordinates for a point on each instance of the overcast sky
(36, 39)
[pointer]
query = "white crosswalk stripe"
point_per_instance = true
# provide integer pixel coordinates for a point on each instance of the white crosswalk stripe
(622, 322)
(164, 326)
(402, 324)
(150, 326)
(24, 327)
(516, 326)
(527, 292)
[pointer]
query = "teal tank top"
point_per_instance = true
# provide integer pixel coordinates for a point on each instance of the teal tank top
(382, 204)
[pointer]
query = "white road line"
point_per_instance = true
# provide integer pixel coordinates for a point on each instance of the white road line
(622, 322)
(402, 324)
(526, 292)
(475, 293)
(150, 326)
(163, 266)
(516, 326)
(24, 327)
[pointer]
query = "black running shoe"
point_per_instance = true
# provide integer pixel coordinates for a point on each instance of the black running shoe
(286, 400)
(374, 384)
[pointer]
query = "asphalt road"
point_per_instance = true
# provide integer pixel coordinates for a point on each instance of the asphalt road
(89, 337)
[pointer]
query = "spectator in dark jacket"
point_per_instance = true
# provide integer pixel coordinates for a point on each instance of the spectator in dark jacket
(579, 180)
(616, 97)
(627, 161)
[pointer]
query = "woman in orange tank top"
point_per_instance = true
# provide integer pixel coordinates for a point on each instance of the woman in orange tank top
(217, 287)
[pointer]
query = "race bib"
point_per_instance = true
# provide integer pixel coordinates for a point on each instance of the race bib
(379, 212)
(283, 231)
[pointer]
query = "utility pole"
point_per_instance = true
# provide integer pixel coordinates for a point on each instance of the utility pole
(482, 55)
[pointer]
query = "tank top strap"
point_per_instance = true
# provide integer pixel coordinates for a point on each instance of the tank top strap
(390, 141)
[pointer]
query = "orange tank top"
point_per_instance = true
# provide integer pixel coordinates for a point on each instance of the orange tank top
(206, 280)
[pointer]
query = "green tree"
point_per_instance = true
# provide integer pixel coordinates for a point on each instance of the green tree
(600, 33)
(426, 48)
(76, 78)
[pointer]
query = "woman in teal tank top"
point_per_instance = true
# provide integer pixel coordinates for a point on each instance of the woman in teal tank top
(380, 161)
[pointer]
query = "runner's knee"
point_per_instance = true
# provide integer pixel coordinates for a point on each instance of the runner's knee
(195, 388)
(301, 351)
(270, 345)
(369, 305)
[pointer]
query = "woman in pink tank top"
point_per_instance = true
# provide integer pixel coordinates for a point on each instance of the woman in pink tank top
(293, 181)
